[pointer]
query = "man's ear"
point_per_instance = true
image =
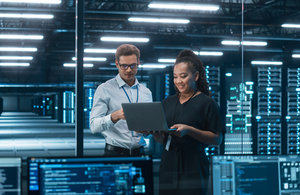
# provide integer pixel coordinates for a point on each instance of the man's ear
(117, 64)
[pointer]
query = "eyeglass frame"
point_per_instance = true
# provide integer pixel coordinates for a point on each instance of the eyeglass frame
(126, 66)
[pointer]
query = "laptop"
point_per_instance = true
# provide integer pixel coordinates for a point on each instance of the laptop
(146, 116)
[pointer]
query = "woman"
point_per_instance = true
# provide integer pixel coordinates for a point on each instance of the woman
(184, 165)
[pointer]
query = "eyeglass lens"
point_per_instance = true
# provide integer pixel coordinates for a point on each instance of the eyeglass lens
(125, 66)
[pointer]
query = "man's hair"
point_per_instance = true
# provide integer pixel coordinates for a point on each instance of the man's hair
(127, 50)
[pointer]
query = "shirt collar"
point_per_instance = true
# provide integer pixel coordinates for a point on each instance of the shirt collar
(121, 82)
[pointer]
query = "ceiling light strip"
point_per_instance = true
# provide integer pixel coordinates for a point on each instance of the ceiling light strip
(159, 20)
(255, 43)
(14, 64)
(152, 66)
(28, 16)
(74, 65)
(91, 59)
(18, 49)
(100, 50)
(31, 37)
(290, 25)
(296, 55)
(184, 6)
(16, 57)
(33, 1)
(230, 43)
(124, 39)
(210, 53)
(266, 63)
(166, 60)
(246, 43)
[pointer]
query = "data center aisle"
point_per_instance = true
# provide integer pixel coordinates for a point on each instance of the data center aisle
(27, 134)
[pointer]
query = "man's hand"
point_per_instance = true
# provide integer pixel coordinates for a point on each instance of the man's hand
(117, 115)
(158, 136)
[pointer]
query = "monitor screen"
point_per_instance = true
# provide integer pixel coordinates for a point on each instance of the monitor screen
(10, 175)
(90, 175)
(255, 174)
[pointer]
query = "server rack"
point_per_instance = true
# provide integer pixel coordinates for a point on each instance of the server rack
(68, 107)
(1, 105)
(269, 110)
(54, 106)
(89, 95)
(293, 111)
(48, 105)
(214, 79)
(41, 106)
(161, 84)
(238, 138)
(36, 105)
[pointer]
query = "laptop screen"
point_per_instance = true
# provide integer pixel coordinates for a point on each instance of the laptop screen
(90, 175)
(255, 174)
(10, 175)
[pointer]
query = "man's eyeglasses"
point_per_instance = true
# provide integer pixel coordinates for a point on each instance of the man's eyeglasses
(125, 66)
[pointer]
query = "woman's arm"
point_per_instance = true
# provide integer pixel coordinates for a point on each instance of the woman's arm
(206, 137)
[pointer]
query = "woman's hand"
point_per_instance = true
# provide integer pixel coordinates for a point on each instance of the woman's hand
(207, 137)
(181, 129)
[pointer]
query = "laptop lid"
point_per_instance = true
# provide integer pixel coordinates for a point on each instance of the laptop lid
(146, 116)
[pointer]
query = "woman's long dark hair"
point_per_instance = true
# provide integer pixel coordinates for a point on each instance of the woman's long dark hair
(195, 64)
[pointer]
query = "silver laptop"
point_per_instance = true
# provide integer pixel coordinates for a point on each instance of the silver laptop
(146, 116)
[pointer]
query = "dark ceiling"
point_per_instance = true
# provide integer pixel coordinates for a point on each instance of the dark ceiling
(206, 30)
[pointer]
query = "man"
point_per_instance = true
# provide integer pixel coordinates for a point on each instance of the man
(107, 116)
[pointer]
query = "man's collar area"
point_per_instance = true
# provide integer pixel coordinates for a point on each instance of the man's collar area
(121, 82)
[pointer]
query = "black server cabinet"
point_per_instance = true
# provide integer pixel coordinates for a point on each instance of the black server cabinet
(269, 110)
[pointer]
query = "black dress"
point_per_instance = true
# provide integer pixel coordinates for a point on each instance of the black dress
(184, 169)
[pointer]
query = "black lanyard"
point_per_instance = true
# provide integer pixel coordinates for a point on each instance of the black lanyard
(137, 94)
(185, 103)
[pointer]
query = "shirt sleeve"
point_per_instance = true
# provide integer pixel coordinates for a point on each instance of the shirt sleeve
(99, 119)
(150, 95)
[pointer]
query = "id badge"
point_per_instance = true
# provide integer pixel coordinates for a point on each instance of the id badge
(168, 143)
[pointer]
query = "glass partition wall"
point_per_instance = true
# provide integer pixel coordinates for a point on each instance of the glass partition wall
(248, 48)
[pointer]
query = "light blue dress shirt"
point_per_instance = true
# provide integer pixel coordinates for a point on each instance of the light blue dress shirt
(107, 99)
